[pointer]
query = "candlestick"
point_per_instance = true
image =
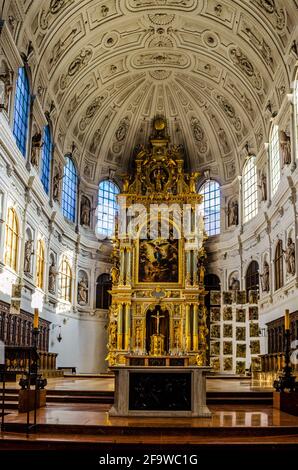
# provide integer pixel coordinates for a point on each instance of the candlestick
(287, 320)
(36, 319)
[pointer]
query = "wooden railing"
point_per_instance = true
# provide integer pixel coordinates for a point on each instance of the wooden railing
(17, 362)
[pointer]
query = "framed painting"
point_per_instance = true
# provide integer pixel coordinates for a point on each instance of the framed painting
(227, 314)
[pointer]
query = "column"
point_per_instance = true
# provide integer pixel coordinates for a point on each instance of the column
(128, 267)
(195, 268)
(195, 327)
(120, 327)
(188, 276)
(127, 326)
(187, 328)
(121, 279)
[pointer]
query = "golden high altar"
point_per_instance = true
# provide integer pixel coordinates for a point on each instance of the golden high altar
(157, 308)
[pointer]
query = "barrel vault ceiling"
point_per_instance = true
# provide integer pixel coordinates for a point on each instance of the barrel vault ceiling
(103, 69)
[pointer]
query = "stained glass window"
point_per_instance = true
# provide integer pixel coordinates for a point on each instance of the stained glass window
(21, 110)
(69, 191)
(211, 204)
(47, 150)
(250, 189)
(107, 208)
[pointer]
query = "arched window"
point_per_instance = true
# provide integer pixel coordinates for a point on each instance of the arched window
(40, 264)
(107, 208)
(11, 240)
(274, 159)
(69, 191)
(65, 281)
(22, 110)
(46, 159)
(211, 203)
(252, 277)
(103, 285)
(279, 266)
(250, 189)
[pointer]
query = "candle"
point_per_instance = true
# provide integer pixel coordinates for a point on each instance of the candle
(36, 319)
(287, 320)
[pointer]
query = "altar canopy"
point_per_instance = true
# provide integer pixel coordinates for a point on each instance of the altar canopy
(158, 259)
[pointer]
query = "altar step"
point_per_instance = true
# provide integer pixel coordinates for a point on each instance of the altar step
(107, 397)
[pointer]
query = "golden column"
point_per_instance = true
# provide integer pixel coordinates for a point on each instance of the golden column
(120, 327)
(128, 266)
(187, 328)
(195, 327)
(188, 267)
(127, 326)
(122, 261)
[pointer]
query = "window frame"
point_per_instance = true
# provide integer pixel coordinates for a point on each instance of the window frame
(46, 158)
(12, 234)
(279, 266)
(105, 223)
(250, 189)
(212, 227)
(252, 278)
(69, 190)
(275, 159)
(65, 281)
(22, 102)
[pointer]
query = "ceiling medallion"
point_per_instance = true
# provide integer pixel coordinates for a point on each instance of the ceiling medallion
(160, 74)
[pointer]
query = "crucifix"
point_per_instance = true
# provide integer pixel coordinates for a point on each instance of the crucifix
(158, 317)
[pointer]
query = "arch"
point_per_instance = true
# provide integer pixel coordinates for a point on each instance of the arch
(275, 165)
(11, 239)
(252, 277)
(22, 110)
(279, 266)
(65, 281)
(40, 261)
(103, 285)
(250, 189)
(69, 189)
(210, 190)
(107, 208)
(46, 158)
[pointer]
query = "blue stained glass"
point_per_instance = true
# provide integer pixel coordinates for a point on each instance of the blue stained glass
(107, 207)
(211, 203)
(69, 191)
(46, 159)
(21, 110)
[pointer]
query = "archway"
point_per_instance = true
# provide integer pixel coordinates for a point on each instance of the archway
(158, 319)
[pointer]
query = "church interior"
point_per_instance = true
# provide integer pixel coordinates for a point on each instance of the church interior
(148, 230)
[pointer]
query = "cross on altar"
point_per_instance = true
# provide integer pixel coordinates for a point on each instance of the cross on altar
(158, 317)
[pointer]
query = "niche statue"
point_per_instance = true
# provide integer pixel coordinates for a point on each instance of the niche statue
(290, 257)
(28, 255)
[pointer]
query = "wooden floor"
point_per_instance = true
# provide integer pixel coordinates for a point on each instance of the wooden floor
(81, 432)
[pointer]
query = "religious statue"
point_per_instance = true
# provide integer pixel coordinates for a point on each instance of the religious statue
(83, 292)
(56, 184)
(193, 182)
(290, 257)
(159, 178)
(85, 211)
(35, 148)
(265, 277)
(113, 335)
(53, 273)
(126, 183)
(138, 334)
(263, 186)
(233, 213)
(234, 287)
(28, 254)
(285, 146)
(5, 89)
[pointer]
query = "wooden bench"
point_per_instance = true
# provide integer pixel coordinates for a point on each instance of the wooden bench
(72, 369)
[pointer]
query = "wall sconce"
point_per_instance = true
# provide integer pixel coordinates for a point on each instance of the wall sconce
(59, 337)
